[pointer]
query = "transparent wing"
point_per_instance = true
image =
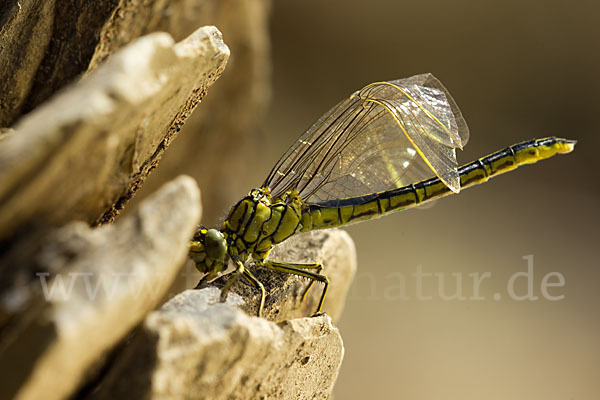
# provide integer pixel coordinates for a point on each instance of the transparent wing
(387, 135)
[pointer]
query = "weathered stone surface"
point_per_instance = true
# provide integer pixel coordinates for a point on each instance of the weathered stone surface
(112, 277)
(133, 18)
(48, 44)
(127, 111)
(223, 135)
(82, 154)
(195, 349)
(198, 348)
(25, 34)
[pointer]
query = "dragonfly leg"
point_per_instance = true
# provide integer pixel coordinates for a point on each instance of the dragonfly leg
(301, 270)
(257, 284)
(239, 270)
(316, 266)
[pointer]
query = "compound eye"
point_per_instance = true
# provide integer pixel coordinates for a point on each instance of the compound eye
(215, 244)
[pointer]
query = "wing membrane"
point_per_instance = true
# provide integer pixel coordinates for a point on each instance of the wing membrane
(387, 135)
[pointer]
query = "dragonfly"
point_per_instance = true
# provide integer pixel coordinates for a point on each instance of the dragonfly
(388, 147)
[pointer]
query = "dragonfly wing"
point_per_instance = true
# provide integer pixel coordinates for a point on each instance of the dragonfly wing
(307, 162)
(426, 113)
(375, 157)
(386, 135)
(442, 104)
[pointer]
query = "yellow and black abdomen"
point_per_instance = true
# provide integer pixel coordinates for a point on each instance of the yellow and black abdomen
(330, 214)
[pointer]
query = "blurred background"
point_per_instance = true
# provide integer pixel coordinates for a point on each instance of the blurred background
(518, 70)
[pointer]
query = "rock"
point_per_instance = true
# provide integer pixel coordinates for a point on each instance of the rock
(46, 45)
(197, 348)
(87, 150)
(229, 121)
(113, 276)
(26, 31)
(81, 153)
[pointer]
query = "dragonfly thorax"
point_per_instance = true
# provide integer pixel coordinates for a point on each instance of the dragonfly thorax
(258, 222)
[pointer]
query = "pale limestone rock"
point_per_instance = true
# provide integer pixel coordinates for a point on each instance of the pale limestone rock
(197, 348)
(87, 150)
(119, 273)
(224, 135)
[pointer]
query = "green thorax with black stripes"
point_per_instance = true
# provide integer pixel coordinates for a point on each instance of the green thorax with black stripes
(258, 222)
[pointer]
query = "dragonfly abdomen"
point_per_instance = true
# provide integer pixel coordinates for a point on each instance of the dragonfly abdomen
(330, 214)
(505, 160)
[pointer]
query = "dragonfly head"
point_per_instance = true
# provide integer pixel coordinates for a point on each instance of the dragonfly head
(208, 249)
